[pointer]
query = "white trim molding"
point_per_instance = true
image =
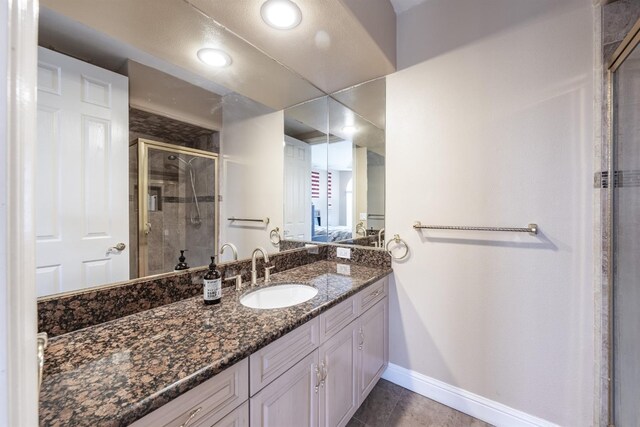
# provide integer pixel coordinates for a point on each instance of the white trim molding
(471, 404)
(17, 236)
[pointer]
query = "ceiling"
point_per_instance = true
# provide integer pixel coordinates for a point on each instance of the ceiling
(330, 50)
(400, 6)
(330, 47)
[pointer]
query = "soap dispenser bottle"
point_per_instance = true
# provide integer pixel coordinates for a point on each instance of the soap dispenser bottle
(181, 265)
(212, 284)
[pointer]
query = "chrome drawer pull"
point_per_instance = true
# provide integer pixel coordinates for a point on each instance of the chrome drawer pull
(193, 414)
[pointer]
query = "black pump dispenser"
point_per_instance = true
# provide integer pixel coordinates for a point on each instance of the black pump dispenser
(181, 265)
(212, 281)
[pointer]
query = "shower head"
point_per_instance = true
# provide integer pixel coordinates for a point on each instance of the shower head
(178, 158)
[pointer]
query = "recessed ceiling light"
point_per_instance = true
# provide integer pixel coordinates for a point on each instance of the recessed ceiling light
(214, 57)
(349, 129)
(281, 14)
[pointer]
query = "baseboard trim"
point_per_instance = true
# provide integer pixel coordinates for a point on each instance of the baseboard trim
(472, 404)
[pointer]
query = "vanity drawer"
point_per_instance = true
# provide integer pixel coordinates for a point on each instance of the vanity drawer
(239, 417)
(335, 319)
(270, 362)
(368, 297)
(210, 401)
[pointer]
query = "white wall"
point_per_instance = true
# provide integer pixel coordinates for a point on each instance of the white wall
(252, 173)
(491, 124)
(4, 418)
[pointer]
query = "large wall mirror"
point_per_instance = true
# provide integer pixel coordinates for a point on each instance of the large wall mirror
(144, 150)
(335, 168)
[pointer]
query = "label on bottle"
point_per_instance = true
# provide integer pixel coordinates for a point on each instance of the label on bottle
(212, 289)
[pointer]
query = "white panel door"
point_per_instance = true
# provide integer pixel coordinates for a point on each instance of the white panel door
(339, 389)
(81, 175)
(297, 189)
(289, 401)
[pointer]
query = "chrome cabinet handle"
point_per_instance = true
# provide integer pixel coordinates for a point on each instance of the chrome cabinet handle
(318, 378)
(42, 345)
(193, 414)
(375, 294)
(361, 339)
(324, 373)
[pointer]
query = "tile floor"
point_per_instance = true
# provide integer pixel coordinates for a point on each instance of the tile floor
(390, 405)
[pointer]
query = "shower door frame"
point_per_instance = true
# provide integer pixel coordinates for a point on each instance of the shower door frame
(626, 47)
(143, 193)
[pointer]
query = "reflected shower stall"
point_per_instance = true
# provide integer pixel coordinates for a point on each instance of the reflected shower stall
(173, 205)
(624, 182)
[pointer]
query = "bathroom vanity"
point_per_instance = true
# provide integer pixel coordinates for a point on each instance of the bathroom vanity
(187, 364)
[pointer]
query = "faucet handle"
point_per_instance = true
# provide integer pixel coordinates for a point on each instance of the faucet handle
(238, 279)
(267, 273)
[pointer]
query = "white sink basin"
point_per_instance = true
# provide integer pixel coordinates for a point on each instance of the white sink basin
(278, 296)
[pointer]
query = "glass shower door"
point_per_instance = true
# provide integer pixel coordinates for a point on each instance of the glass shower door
(178, 206)
(626, 239)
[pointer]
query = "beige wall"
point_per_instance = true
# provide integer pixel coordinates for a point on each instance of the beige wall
(252, 165)
(490, 123)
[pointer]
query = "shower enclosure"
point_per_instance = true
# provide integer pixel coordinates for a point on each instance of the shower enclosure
(624, 184)
(174, 195)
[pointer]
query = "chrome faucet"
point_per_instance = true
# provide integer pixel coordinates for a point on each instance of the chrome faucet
(254, 272)
(234, 250)
(380, 237)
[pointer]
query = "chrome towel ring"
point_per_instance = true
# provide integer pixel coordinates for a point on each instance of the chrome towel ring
(398, 241)
(274, 236)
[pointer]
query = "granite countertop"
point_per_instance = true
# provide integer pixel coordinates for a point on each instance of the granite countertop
(117, 372)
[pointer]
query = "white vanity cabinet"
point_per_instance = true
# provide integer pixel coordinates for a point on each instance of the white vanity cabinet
(328, 385)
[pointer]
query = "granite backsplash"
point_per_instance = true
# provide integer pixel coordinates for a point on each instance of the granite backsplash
(60, 314)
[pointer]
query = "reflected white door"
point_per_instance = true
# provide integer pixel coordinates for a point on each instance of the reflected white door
(81, 175)
(297, 189)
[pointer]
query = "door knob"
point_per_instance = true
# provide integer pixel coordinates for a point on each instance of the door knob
(117, 248)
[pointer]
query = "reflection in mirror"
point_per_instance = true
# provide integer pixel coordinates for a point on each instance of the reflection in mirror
(305, 171)
(176, 210)
(118, 99)
(349, 165)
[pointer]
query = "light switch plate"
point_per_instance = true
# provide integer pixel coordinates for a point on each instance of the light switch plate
(344, 269)
(344, 253)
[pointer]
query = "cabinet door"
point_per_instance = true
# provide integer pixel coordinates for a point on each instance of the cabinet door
(339, 386)
(373, 347)
(273, 360)
(291, 400)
